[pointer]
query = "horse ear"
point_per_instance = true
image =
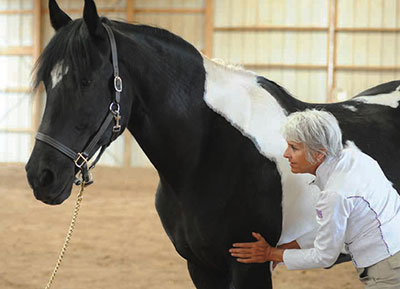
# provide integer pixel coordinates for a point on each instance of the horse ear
(92, 19)
(58, 18)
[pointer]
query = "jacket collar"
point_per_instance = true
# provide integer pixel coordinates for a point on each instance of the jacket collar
(324, 171)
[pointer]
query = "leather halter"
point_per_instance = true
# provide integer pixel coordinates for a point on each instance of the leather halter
(81, 159)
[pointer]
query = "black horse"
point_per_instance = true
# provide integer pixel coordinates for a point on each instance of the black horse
(212, 132)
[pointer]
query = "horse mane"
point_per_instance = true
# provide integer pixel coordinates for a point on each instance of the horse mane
(152, 31)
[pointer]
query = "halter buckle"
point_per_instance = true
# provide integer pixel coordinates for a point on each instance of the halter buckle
(81, 160)
(118, 83)
(117, 126)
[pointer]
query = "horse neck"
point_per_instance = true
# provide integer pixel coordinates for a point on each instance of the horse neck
(166, 84)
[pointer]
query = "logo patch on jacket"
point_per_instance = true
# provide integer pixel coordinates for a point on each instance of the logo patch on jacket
(319, 213)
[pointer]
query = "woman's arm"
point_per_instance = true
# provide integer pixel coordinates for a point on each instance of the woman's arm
(291, 245)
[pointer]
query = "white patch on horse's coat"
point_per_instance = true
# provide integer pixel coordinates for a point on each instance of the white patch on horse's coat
(236, 95)
(350, 107)
(57, 73)
(389, 99)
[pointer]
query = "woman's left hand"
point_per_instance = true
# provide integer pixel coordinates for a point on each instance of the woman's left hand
(253, 252)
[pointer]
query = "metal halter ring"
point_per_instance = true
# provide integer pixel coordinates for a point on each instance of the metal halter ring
(118, 84)
(116, 106)
(80, 160)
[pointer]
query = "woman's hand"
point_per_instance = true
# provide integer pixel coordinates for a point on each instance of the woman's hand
(256, 252)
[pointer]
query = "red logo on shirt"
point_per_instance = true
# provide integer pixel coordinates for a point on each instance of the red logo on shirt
(319, 214)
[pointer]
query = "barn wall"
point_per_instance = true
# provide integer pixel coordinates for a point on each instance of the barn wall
(263, 43)
(288, 41)
(375, 52)
(15, 97)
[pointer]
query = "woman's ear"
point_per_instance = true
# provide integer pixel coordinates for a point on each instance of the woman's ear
(320, 156)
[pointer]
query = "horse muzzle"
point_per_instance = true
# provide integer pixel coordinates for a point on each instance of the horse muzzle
(48, 185)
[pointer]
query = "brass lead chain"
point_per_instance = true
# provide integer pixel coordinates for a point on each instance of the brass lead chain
(69, 234)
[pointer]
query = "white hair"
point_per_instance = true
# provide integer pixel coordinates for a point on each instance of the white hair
(319, 131)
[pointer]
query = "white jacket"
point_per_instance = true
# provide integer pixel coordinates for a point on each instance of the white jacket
(357, 207)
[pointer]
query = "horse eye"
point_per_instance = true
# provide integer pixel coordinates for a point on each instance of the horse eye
(86, 82)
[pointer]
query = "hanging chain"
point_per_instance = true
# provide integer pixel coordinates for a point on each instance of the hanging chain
(69, 234)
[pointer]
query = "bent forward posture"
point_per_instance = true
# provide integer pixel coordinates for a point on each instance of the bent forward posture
(357, 206)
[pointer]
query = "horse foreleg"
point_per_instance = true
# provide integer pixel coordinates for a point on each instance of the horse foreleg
(204, 278)
(251, 276)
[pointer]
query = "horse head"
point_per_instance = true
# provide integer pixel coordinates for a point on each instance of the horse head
(76, 68)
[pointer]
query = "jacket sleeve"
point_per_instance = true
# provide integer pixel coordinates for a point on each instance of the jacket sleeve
(306, 241)
(332, 212)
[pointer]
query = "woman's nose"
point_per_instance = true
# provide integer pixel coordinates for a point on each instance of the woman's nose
(286, 154)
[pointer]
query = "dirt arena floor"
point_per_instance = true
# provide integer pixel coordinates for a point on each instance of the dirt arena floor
(118, 242)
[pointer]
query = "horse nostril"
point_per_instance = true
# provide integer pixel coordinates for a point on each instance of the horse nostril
(46, 178)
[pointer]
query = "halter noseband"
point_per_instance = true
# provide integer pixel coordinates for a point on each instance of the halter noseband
(81, 159)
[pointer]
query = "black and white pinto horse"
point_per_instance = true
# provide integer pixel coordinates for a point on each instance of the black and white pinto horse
(211, 131)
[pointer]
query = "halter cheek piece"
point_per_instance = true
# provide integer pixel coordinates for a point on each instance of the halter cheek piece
(81, 159)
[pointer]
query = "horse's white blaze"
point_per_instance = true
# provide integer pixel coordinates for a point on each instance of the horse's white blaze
(349, 107)
(57, 73)
(236, 96)
(390, 99)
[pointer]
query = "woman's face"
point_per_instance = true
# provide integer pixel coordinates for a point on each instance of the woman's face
(297, 157)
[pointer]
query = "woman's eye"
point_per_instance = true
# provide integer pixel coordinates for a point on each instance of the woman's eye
(86, 82)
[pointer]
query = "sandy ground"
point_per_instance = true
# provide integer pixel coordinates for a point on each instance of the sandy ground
(118, 241)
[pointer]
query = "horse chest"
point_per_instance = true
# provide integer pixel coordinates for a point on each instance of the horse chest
(191, 226)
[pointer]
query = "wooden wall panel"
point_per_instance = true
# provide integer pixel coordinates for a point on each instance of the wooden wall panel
(16, 5)
(15, 111)
(273, 46)
(312, 84)
(169, 3)
(14, 147)
(16, 30)
(375, 49)
(78, 4)
(291, 48)
(15, 108)
(15, 72)
(16, 48)
(271, 12)
(350, 83)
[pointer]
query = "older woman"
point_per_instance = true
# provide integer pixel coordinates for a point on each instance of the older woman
(357, 206)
